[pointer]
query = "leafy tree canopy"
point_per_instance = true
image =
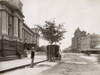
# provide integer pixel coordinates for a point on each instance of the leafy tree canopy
(52, 32)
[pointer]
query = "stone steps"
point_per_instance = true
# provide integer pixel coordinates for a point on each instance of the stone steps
(1, 58)
(9, 52)
(6, 58)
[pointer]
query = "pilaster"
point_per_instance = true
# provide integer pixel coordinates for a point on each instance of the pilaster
(15, 26)
(4, 22)
(0, 23)
(21, 26)
(7, 23)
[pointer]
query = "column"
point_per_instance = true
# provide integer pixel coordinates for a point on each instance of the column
(0, 33)
(4, 22)
(15, 26)
(7, 24)
(0, 23)
(21, 27)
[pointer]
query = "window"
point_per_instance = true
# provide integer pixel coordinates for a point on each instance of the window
(10, 27)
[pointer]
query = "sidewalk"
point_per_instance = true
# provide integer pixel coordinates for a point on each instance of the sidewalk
(14, 64)
(36, 70)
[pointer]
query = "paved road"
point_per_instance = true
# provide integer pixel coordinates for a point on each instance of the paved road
(73, 64)
(31, 71)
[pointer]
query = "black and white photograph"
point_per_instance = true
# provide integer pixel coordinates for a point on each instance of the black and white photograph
(49, 37)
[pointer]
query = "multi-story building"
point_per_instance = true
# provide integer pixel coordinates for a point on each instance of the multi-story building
(76, 40)
(90, 42)
(13, 31)
(36, 32)
(83, 42)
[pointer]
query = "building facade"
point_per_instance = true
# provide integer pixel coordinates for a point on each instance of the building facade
(90, 42)
(14, 33)
(76, 40)
(82, 42)
(36, 32)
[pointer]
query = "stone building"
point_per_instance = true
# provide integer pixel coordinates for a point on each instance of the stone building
(14, 33)
(82, 42)
(90, 43)
(36, 38)
(76, 40)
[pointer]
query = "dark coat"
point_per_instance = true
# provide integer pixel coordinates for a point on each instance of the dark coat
(32, 54)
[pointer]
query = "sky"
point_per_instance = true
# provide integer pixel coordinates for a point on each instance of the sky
(84, 14)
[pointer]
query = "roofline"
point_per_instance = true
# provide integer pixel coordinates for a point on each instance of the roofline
(30, 29)
(12, 8)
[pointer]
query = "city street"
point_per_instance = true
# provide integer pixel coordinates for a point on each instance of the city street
(71, 64)
(49, 37)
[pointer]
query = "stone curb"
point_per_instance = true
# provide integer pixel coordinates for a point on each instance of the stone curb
(22, 66)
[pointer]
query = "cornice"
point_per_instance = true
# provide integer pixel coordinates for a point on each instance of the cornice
(12, 8)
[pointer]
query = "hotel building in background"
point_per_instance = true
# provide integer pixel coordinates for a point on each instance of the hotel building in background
(82, 42)
(90, 43)
(76, 40)
(14, 33)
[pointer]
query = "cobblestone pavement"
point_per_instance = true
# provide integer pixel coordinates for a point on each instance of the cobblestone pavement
(72, 64)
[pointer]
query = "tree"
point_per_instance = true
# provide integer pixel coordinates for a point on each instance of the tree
(52, 32)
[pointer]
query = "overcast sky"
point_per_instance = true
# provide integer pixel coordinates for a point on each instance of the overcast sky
(84, 14)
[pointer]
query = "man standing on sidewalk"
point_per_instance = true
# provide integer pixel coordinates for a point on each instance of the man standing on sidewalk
(32, 56)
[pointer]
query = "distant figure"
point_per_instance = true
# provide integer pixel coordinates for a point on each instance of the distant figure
(32, 56)
(25, 52)
(19, 54)
(59, 54)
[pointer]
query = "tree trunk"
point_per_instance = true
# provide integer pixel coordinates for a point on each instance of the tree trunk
(50, 56)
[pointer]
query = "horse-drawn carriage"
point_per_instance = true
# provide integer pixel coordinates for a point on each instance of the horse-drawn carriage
(53, 52)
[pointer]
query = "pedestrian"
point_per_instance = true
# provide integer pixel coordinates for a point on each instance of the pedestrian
(32, 55)
(19, 54)
(59, 54)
